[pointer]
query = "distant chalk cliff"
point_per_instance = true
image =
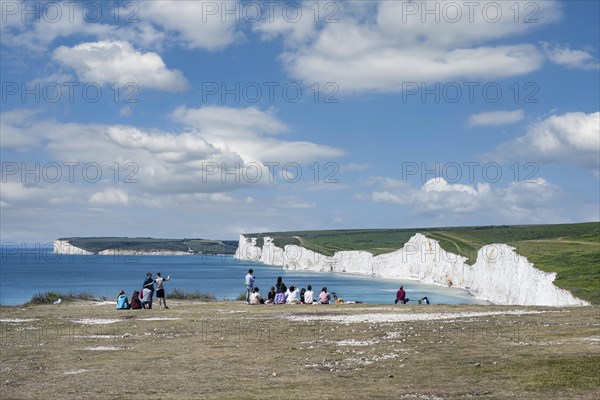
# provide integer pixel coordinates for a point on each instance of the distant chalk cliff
(499, 275)
(64, 247)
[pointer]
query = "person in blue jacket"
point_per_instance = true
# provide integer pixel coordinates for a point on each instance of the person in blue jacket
(122, 301)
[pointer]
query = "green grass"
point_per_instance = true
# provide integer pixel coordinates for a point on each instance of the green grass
(570, 250)
(228, 350)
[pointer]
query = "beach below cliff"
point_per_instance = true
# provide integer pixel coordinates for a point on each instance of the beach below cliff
(229, 350)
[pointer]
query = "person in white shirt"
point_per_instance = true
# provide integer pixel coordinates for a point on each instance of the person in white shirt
(160, 290)
(255, 297)
(292, 298)
(249, 283)
(309, 295)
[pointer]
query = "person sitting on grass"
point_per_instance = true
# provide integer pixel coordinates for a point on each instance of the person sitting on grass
(271, 296)
(292, 298)
(136, 304)
(255, 297)
(324, 297)
(302, 293)
(122, 301)
(335, 299)
(309, 295)
(280, 291)
(400, 296)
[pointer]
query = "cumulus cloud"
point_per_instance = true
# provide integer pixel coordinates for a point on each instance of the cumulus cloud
(303, 27)
(230, 122)
(382, 50)
(571, 138)
(110, 196)
(454, 201)
(51, 21)
(495, 118)
(107, 62)
(575, 59)
(13, 127)
(248, 132)
(204, 157)
(196, 24)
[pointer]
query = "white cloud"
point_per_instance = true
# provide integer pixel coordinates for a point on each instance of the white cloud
(294, 31)
(110, 196)
(208, 159)
(366, 52)
(13, 126)
(495, 118)
(572, 138)
(108, 62)
(576, 59)
(518, 201)
(248, 132)
(230, 122)
(197, 24)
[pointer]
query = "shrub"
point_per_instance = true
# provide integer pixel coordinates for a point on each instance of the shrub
(51, 296)
(195, 295)
(241, 297)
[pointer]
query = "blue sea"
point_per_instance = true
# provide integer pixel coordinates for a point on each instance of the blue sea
(26, 271)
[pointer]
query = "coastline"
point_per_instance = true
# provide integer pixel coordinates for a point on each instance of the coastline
(499, 275)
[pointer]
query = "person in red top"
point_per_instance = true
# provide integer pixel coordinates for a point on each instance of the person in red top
(400, 295)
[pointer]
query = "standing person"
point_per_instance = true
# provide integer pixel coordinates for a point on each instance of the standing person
(400, 295)
(149, 284)
(249, 282)
(309, 295)
(324, 297)
(280, 289)
(160, 290)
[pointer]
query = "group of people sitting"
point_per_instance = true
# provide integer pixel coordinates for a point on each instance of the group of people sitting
(136, 302)
(281, 294)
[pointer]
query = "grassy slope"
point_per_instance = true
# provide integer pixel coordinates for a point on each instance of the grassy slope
(96, 244)
(570, 250)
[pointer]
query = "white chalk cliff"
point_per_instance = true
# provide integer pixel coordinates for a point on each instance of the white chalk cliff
(64, 247)
(499, 275)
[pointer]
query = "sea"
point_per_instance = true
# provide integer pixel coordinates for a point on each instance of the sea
(25, 271)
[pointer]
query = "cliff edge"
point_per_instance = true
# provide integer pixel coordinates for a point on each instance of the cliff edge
(499, 275)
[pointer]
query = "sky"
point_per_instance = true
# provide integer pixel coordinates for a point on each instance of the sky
(207, 119)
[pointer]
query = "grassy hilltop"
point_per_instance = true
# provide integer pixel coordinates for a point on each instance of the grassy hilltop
(570, 250)
(206, 246)
(228, 350)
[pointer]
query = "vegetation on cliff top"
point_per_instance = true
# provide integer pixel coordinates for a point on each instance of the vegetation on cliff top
(205, 246)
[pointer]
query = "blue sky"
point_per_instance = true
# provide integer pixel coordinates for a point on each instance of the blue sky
(210, 119)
